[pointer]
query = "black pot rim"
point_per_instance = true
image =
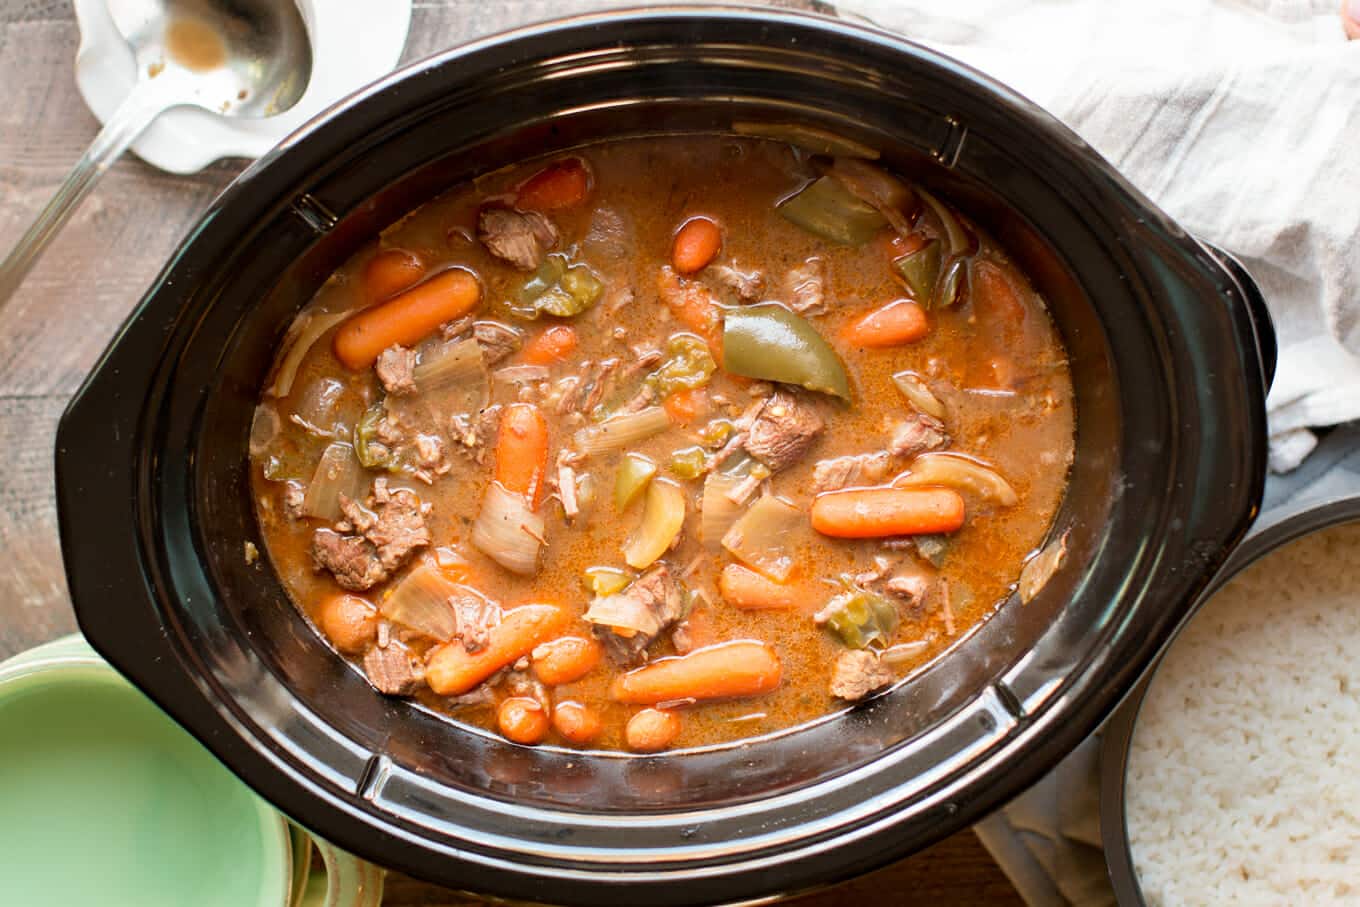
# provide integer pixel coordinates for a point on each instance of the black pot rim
(161, 667)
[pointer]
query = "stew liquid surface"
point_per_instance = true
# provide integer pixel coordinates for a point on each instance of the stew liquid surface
(664, 443)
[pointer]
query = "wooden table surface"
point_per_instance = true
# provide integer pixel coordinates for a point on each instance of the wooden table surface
(74, 300)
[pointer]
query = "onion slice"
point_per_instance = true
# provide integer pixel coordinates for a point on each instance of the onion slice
(918, 394)
(338, 472)
(507, 531)
(763, 538)
(663, 516)
(421, 601)
(962, 473)
(308, 331)
(717, 511)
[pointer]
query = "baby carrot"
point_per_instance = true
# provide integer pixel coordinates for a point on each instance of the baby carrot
(452, 670)
(566, 659)
(577, 723)
(693, 306)
(742, 668)
(522, 720)
(684, 406)
(896, 323)
(696, 244)
(389, 272)
(551, 345)
(406, 318)
(563, 184)
(877, 512)
(748, 590)
(651, 730)
(522, 451)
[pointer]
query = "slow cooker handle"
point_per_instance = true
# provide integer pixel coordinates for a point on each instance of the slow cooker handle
(1263, 326)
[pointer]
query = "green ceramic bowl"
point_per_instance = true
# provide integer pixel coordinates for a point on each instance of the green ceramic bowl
(106, 801)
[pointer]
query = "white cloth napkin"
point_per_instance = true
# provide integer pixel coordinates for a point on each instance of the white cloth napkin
(1240, 118)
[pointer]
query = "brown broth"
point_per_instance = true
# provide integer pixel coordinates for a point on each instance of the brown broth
(1024, 429)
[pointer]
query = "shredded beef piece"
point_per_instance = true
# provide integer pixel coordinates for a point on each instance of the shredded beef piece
(293, 497)
(430, 453)
(389, 430)
(396, 368)
(456, 328)
(498, 341)
(566, 491)
(783, 429)
(392, 671)
(910, 588)
(380, 493)
(358, 518)
(475, 615)
(660, 600)
(918, 434)
(747, 285)
(850, 471)
(859, 673)
(400, 529)
(350, 558)
(519, 238)
(475, 432)
(643, 359)
(807, 287)
(603, 372)
(644, 398)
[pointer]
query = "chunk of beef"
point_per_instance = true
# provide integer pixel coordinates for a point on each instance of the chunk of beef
(655, 602)
(475, 616)
(386, 537)
(519, 238)
(806, 286)
(909, 588)
(474, 432)
(850, 471)
(498, 341)
(393, 670)
(430, 453)
(294, 494)
(783, 430)
(400, 529)
(916, 435)
(396, 368)
(858, 673)
(350, 558)
(748, 285)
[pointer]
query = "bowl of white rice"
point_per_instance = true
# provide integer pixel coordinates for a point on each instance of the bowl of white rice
(1231, 775)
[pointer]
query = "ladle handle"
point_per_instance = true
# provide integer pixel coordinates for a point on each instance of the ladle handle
(136, 112)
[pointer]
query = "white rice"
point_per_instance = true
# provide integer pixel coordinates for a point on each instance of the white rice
(1244, 769)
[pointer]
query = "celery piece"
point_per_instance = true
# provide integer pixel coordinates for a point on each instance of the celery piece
(689, 462)
(860, 618)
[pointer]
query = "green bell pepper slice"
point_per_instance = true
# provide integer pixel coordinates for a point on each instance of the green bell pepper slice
(827, 209)
(769, 342)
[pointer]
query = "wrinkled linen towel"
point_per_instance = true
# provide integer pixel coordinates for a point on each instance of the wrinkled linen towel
(1239, 119)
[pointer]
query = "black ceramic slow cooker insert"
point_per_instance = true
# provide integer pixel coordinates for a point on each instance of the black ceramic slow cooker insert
(1170, 352)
